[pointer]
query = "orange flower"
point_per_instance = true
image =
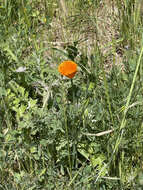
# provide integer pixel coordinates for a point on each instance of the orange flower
(68, 69)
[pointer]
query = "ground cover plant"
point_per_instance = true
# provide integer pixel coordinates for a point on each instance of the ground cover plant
(71, 93)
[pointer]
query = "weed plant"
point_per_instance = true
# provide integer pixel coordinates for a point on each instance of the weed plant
(84, 133)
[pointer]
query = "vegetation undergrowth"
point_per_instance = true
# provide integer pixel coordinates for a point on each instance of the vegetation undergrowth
(84, 130)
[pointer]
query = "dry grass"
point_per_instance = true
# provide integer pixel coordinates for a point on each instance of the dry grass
(92, 26)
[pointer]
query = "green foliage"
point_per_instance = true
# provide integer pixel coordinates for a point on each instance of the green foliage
(57, 133)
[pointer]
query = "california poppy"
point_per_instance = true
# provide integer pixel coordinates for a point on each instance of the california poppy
(68, 69)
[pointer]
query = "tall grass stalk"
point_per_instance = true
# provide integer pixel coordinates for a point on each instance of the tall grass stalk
(107, 93)
(123, 122)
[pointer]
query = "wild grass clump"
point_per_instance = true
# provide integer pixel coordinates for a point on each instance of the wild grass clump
(71, 95)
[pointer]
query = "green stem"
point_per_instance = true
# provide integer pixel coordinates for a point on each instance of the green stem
(73, 94)
(68, 145)
(123, 123)
(67, 135)
(107, 95)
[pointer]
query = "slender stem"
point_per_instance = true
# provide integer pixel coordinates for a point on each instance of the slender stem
(73, 129)
(68, 145)
(67, 133)
(71, 82)
(123, 123)
(73, 94)
(107, 95)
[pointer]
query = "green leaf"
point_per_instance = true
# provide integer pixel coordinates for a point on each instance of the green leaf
(44, 142)
(33, 149)
(2, 91)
